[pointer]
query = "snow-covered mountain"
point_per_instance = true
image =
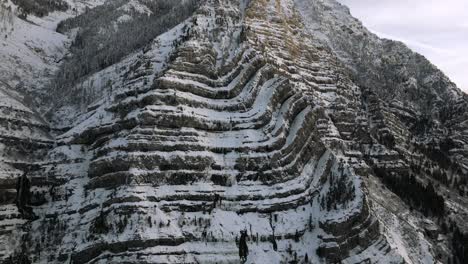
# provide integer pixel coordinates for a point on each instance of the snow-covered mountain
(223, 131)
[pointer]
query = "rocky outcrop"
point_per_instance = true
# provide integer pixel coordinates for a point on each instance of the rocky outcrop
(24, 137)
(241, 127)
(227, 132)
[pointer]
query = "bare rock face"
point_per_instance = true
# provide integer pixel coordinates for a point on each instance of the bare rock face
(24, 136)
(253, 131)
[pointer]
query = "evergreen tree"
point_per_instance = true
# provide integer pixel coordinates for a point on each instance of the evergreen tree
(243, 248)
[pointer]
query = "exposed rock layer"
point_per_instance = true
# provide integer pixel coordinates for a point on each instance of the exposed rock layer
(243, 117)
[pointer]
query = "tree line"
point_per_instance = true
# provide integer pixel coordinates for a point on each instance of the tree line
(39, 8)
(417, 195)
(102, 40)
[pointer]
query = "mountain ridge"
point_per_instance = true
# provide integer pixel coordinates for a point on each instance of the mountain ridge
(263, 116)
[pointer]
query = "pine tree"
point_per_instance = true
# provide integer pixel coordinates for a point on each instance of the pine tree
(243, 248)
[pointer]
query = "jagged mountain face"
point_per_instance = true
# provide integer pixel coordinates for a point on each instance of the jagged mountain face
(243, 131)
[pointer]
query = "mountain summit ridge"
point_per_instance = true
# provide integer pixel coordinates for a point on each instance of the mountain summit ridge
(251, 131)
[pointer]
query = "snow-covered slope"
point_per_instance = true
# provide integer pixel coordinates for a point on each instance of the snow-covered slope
(281, 126)
(31, 49)
(29, 54)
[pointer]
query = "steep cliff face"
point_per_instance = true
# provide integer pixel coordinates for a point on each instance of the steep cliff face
(253, 131)
(416, 112)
